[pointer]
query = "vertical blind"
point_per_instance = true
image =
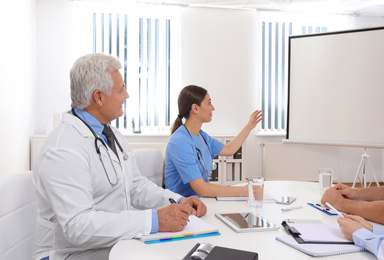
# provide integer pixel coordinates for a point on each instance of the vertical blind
(143, 47)
(274, 71)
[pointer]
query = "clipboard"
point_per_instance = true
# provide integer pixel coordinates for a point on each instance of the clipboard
(296, 235)
(293, 232)
(323, 208)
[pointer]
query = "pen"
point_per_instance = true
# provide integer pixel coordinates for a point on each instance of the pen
(291, 208)
(338, 212)
(173, 201)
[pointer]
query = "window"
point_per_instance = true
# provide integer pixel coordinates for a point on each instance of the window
(145, 41)
(274, 31)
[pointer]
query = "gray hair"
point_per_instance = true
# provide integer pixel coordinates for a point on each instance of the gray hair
(90, 73)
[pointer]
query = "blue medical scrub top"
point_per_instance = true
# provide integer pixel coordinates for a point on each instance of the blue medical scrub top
(182, 164)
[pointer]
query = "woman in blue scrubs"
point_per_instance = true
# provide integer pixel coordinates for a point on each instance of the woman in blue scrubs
(190, 150)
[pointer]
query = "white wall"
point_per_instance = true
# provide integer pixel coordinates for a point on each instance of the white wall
(219, 52)
(53, 39)
(18, 83)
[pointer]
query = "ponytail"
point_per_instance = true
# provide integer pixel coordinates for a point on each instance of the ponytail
(178, 122)
(188, 96)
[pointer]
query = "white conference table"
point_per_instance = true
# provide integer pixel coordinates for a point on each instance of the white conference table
(264, 243)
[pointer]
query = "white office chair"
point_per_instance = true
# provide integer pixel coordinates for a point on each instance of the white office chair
(151, 164)
(18, 213)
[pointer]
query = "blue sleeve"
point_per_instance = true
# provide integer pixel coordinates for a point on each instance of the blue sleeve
(378, 230)
(155, 222)
(370, 241)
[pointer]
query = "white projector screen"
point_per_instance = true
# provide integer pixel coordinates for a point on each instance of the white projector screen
(336, 88)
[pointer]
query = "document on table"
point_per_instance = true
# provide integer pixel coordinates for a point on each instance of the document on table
(267, 198)
(195, 227)
(320, 233)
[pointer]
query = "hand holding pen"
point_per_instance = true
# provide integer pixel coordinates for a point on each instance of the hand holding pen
(173, 217)
(335, 210)
(173, 201)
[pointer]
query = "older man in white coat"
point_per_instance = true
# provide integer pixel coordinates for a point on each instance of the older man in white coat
(90, 196)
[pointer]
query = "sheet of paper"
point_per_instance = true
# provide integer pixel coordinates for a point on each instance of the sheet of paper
(267, 198)
(319, 232)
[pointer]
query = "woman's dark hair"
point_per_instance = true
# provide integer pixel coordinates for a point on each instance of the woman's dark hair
(188, 96)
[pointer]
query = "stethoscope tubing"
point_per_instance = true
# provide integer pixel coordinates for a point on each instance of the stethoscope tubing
(97, 138)
(201, 160)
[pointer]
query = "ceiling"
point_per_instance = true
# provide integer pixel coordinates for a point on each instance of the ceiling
(358, 7)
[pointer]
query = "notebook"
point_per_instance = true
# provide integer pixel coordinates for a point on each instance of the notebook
(196, 227)
(319, 250)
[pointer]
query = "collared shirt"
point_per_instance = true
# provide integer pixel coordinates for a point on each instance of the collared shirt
(371, 241)
(92, 122)
(98, 128)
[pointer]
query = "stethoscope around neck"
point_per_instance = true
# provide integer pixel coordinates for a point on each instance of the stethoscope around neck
(98, 139)
(200, 155)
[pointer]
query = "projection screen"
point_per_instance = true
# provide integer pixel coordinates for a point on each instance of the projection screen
(336, 88)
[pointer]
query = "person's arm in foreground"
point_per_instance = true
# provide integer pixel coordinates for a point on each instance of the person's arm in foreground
(372, 210)
(366, 194)
(206, 189)
(363, 234)
(174, 217)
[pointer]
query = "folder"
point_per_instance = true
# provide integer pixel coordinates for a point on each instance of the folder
(207, 251)
(195, 228)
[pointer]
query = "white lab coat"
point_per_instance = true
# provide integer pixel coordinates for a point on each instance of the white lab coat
(79, 209)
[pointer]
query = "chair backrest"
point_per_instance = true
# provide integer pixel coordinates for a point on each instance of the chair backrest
(151, 164)
(18, 213)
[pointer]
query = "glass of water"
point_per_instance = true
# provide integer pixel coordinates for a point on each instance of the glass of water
(325, 179)
(255, 191)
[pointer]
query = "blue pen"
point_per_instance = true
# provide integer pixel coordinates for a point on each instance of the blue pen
(173, 201)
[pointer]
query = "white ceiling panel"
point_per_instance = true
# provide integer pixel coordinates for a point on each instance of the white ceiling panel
(362, 7)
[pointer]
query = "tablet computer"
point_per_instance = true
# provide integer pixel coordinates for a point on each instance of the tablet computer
(246, 222)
